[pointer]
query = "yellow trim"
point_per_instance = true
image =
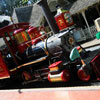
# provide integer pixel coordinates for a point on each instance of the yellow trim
(33, 62)
(5, 77)
(83, 63)
(13, 69)
(80, 50)
(46, 47)
(44, 50)
(56, 79)
(54, 68)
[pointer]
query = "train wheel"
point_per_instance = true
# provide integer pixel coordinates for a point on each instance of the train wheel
(65, 75)
(83, 76)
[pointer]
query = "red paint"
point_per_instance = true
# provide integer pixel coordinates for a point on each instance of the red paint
(49, 77)
(55, 64)
(22, 47)
(18, 31)
(62, 22)
(34, 32)
(83, 76)
(78, 48)
(35, 41)
(13, 27)
(95, 64)
(65, 75)
(4, 73)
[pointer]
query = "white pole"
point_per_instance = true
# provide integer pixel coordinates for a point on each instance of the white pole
(97, 10)
(83, 14)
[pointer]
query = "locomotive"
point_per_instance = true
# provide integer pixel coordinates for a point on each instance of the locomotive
(33, 57)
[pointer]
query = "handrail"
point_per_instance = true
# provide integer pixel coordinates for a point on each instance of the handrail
(13, 27)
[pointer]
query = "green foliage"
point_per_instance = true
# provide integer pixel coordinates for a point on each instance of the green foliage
(8, 5)
(24, 1)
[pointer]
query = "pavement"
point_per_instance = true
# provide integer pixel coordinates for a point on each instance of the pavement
(51, 94)
(92, 43)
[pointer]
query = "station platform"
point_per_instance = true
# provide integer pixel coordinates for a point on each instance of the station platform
(94, 42)
(80, 93)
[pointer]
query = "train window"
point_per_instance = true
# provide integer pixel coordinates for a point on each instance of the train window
(6, 55)
(2, 43)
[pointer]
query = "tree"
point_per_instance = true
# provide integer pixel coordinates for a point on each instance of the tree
(8, 5)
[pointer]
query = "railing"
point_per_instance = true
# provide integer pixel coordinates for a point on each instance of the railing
(93, 32)
(79, 35)
(84, 34)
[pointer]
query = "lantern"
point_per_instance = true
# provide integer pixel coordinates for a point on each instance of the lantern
(22, 39)
(34, 34)
(63, 19)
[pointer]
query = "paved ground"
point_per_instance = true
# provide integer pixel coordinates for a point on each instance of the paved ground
(91, 43)
(55, 94)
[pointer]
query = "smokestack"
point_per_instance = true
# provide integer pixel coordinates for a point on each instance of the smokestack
(48, 15)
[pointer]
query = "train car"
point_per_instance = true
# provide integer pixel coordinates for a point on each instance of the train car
(15, 51)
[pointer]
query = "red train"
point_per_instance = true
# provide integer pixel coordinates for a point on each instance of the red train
(31, 56)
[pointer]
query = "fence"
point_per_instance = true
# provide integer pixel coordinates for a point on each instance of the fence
(84, 34)
(93, 31)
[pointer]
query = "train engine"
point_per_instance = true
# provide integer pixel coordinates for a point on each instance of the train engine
(45, 52)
